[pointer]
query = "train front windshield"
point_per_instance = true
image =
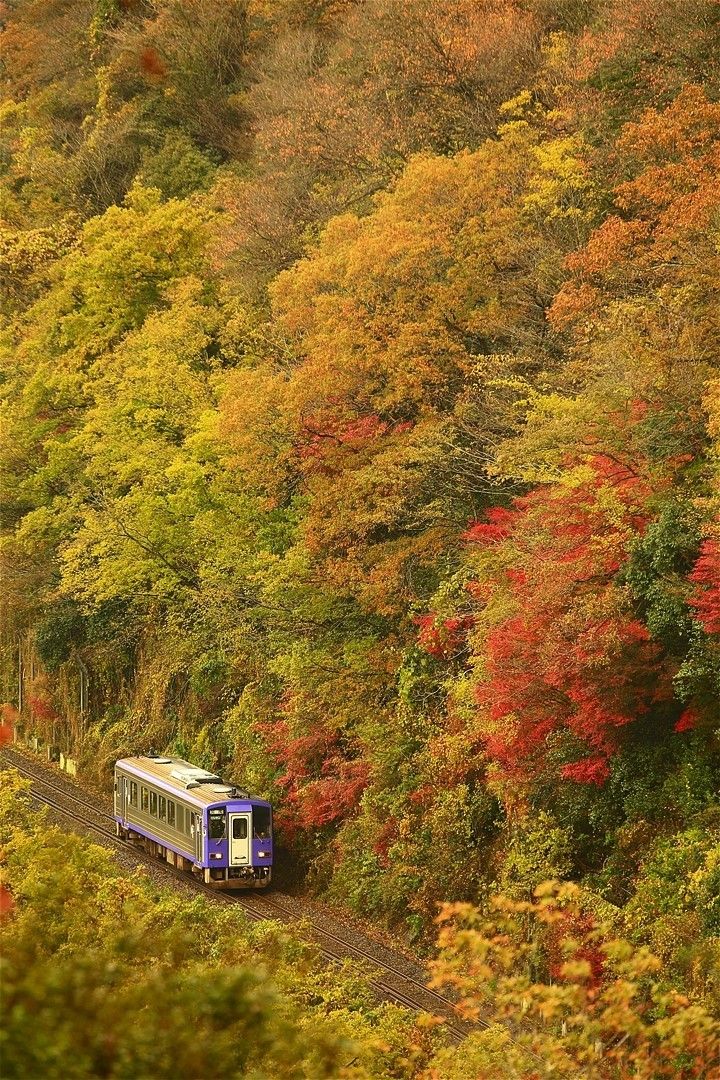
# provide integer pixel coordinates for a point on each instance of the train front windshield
(261, 822)
(217, 824)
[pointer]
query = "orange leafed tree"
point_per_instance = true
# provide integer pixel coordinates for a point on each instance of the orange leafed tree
(564, 995)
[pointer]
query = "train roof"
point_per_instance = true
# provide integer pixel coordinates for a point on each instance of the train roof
(196, 785)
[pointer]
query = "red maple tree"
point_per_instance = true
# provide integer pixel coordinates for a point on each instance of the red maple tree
(570, 655)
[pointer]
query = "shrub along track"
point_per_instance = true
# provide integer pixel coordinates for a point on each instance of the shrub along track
(393, 977)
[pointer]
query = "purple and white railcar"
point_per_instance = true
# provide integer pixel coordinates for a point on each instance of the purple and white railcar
(192, 819)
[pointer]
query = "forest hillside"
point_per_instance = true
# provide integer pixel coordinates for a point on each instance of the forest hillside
(360, 433)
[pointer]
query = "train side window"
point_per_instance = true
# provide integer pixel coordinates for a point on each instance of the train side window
(163, 808)
(133, 793)
(144, 798)
(171, 813)
(153, 803)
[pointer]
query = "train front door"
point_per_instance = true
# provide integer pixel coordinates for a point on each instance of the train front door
(239, 839)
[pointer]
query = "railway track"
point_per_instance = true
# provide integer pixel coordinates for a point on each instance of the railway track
(390, 982)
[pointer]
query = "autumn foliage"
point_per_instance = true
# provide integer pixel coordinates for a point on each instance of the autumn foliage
(360, 432)
(600, 1011)
(706, 575)
(570, 656)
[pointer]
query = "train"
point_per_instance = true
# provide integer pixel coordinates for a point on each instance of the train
(193, 820)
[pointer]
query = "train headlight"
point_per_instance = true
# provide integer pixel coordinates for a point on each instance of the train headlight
(216, 855)
(263, 854)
